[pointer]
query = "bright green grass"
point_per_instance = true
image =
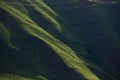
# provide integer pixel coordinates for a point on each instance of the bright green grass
(45, 14)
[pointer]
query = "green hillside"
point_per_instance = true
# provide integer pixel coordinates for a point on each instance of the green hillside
(39, 41)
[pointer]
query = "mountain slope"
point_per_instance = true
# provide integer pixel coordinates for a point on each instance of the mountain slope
(37, 28)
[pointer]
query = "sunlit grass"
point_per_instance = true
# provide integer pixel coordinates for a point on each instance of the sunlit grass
(17, 77)
(44, 6)
(65, 52)
(14, 77)
(45, 14)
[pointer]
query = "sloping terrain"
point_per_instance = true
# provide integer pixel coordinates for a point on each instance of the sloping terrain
(45, 41)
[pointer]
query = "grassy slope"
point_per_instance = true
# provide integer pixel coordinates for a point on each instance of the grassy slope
(4, 34)
(29, 26)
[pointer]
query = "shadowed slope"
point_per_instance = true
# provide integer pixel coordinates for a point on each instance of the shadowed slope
(29, 26)
(61, 49)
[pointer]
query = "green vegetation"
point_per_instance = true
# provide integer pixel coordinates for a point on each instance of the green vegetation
(19, 12)
(5, 35)
(13, 77)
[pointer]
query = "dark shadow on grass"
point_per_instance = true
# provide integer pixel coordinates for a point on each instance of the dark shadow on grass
(35, 58)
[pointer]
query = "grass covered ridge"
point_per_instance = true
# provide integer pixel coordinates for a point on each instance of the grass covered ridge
(21, 14)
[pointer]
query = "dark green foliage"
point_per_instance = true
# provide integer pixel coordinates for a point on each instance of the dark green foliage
(33, 46)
